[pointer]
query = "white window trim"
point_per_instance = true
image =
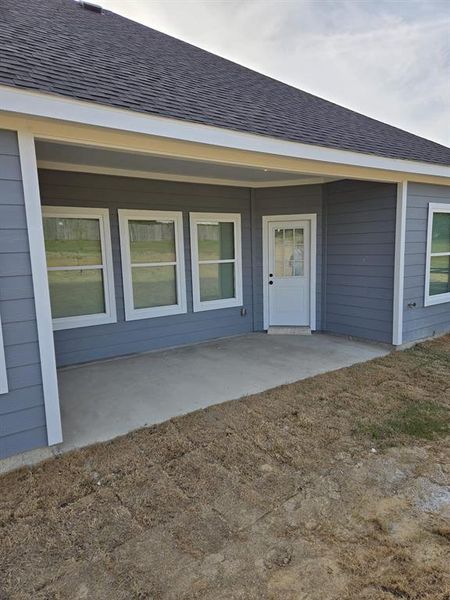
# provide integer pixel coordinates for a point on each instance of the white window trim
(3, 374)
(132, 313)
(110, 315)
(196, 218)
(433, 207)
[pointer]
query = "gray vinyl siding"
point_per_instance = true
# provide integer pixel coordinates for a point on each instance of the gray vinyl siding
(284, 201)
(421, 321)
(22, 415)
(360, 246)
(126, 337)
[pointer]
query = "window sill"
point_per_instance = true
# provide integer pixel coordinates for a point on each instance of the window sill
(151, 313)
(440, 299)
(217, 304)
(83, 321)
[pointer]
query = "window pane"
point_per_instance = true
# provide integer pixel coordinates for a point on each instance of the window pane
(289, 252)
(440, 275)
(72, 242)
(216, 281)
(215, 241)
(279, 253)
(441, 233)
(152, 241)
(154, 286)
(75, 293)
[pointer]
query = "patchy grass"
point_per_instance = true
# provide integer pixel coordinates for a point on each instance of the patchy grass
(334, 487)
(423, 420)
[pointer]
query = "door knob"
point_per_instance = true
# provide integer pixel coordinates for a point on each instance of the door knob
(270, 282)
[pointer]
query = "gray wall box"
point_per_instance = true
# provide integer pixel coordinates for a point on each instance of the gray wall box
(360, 247)
(421, 321)
(22, 415)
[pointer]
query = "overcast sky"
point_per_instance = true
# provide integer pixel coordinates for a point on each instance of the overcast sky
(384, 58)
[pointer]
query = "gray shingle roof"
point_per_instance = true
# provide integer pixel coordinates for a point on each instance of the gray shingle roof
(57, 47)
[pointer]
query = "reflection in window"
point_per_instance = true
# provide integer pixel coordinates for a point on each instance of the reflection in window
(289, 252)
(216, 261)
(80, 284)
(440, 254)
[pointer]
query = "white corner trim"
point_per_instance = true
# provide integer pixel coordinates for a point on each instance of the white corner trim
(40, 285)
(3, 374)
(399, 263)
(433, 208)
(198, 305)
(102, 215)
(38, 104)
(312, 218)
(132, 313)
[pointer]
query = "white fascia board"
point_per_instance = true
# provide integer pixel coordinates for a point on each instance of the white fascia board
(41, 105)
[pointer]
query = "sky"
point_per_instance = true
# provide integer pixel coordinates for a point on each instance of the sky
(389, 59)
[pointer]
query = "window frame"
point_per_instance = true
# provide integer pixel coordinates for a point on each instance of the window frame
(132, 313)
(433, 208)
(196, 218)
(102, 215)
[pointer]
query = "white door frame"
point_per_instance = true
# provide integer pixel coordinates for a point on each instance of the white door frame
(312, 218)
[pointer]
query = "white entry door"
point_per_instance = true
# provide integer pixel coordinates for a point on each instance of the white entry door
(289, 276)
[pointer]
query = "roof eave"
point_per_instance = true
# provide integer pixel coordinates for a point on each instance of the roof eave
(57, 107)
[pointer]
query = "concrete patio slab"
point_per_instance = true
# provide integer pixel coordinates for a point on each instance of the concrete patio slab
(100, 401)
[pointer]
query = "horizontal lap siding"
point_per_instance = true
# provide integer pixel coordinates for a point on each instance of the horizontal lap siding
(421, 321)
(104, 341)
(284, 201)
(360, 246)
(22, 416)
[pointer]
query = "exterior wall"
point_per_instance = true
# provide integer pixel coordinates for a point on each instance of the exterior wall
(421, 321)
(278, 201)
(360, 246)
(126, 337)
(22, 416)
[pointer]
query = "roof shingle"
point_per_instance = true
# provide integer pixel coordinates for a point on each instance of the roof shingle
(58, 47)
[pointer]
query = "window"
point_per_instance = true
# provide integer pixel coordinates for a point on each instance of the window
(79, 264)
(152, 263)
(437, 280)
(216, 260)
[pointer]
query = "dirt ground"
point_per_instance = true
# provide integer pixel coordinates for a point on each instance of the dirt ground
(332, 488)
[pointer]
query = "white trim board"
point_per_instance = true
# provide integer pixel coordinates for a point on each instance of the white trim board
(102, 215)
(132, 313)
(312, 218)
(38, 104)
(3, 373)
(399, 263)
(433, 208)
(40, 285)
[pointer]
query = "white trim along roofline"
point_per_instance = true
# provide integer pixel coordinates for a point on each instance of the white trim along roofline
(41, 105)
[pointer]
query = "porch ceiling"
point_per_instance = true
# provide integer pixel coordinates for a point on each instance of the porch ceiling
(71, 157)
